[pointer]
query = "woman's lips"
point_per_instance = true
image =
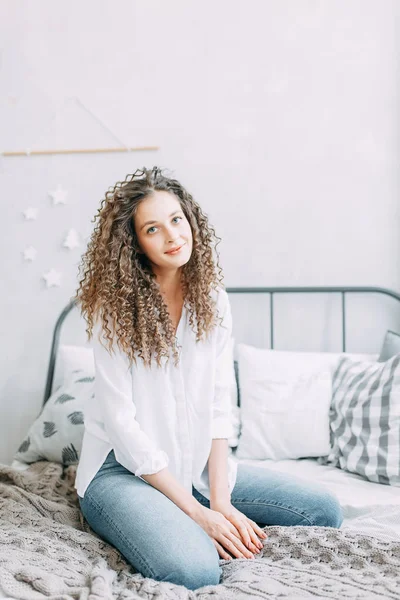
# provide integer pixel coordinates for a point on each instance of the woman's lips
(176, 251)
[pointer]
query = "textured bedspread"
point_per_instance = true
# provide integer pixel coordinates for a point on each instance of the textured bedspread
(47, 550)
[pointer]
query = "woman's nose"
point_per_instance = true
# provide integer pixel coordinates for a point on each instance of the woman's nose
(172, 235)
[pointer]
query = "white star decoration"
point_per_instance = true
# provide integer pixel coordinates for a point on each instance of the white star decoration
(30, 253)
(30, 213)
(59, 195)
(72, 239)
(52, 278)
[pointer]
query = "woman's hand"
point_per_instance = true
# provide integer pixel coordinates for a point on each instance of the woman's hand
(223, 533)
(247, 528)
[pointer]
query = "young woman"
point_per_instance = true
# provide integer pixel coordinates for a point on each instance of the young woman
(155, 478)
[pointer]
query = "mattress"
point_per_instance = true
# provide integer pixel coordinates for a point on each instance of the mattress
(372, 507)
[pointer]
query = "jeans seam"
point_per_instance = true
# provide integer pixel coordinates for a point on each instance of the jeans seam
(250, 503)
(292, 510)
(117, 529)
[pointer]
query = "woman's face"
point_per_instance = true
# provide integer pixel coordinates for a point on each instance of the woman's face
(160, 226)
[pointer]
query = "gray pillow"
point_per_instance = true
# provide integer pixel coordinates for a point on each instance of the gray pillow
(391, 346)
(365, 419)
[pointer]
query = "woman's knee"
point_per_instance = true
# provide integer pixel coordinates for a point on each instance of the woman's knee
(192, 574)
(194, 563)
(328, 512)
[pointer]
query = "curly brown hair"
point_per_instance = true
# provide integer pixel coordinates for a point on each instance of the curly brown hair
(118, 284)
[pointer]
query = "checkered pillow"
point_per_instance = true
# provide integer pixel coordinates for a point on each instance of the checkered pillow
(365, 419)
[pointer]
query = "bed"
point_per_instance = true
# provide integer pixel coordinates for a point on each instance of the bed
(49, 551)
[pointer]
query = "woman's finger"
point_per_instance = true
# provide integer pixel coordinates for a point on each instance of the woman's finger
(254, 541)
(234, 530)
(236, 546)
(244, 532)
(242, 527)
(246, 539)
(221, 551)
(260, 532)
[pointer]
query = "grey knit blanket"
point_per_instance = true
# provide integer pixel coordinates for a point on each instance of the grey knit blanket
(47, 550)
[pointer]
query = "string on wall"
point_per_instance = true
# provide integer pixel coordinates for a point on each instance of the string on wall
(122, 148)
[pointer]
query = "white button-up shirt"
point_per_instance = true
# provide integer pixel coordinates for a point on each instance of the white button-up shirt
(163, 416)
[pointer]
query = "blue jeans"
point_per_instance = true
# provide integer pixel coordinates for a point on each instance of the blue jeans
(162, 542)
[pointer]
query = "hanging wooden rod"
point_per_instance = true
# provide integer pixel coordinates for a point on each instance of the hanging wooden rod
(78, 151)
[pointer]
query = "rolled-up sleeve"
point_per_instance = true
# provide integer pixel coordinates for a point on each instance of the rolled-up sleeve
(225, 381)
(113, 392)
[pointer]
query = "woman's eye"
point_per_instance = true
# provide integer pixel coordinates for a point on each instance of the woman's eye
(150, 228)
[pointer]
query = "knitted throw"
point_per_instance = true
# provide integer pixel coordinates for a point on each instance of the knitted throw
(47, 550)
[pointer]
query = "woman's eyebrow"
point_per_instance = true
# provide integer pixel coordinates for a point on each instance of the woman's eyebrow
(150, 222)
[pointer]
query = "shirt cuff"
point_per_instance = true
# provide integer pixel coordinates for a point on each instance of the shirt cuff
(221, 427)
(153, 464)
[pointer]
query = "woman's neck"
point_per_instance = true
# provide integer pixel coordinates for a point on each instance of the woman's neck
(170, 286)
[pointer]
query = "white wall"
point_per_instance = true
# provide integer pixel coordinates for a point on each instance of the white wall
(280, 116)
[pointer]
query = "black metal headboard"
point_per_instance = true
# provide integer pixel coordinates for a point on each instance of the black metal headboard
(237, 290)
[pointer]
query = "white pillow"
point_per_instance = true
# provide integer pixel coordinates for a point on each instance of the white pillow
(69, 360)
(57, 433)
(284, 402)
